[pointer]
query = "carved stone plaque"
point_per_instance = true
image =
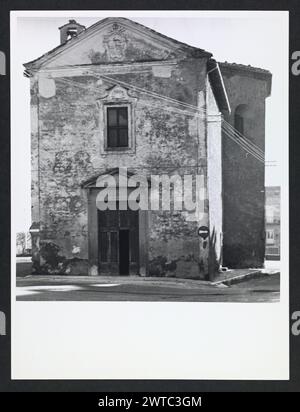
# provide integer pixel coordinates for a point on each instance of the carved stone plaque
(115, 43)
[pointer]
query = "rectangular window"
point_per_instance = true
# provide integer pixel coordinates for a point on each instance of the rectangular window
(117, 127)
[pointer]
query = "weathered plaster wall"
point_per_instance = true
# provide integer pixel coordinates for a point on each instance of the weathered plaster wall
(68, 142)
(35, 192)
(243, 175)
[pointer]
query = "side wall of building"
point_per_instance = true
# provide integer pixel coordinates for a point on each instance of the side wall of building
(243, 174)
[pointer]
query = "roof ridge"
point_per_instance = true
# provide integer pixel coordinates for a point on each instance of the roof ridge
(161, 34)
(89, 29)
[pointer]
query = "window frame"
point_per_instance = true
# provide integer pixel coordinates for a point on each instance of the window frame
(270, 236)
(129, 127)
(117, 127)
(115, 97)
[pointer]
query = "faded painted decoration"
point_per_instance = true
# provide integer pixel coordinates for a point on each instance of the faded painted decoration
(120, 95)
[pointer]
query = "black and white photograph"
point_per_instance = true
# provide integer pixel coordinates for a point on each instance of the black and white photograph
(155, 167)
(150, 175)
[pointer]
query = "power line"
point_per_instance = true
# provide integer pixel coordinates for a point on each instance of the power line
(244, 147)
(243, 138)
(139, 89)
(242, 143)
(229, 130)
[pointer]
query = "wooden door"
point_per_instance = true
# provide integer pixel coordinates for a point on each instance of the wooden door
(115, 227)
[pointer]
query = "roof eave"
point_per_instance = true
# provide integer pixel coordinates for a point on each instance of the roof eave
(249, 71)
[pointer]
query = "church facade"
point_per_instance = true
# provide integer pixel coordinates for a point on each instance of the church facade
(120, 100)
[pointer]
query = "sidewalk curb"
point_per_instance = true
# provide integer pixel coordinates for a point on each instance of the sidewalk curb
(90, 280)
(240, 278)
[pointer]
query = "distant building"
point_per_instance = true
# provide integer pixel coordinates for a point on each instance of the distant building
(273, 222)
(23, 243)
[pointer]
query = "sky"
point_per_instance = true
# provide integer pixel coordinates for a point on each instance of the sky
(256, 38)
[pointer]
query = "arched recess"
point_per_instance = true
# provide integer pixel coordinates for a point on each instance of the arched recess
(242, 115)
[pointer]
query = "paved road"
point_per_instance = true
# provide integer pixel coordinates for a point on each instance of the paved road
(263, 289)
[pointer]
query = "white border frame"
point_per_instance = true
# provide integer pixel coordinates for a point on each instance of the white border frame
(77, 340)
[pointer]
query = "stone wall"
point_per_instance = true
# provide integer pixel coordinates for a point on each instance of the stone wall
(243, 175)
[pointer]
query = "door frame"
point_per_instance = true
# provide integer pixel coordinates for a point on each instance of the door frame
(92, 193)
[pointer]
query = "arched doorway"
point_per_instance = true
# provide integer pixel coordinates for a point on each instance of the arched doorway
(117, 239)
